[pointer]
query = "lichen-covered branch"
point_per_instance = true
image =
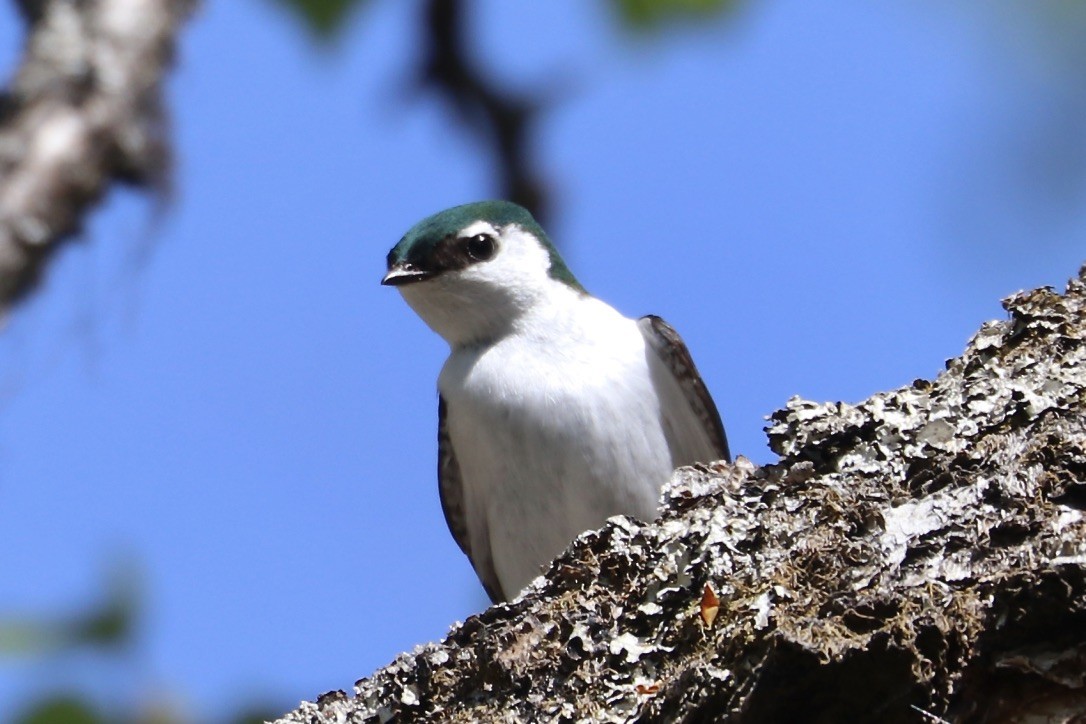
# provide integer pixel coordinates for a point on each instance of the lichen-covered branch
(84, 111)
(920, 556)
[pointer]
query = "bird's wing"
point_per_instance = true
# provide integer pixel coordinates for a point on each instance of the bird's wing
(451, 488)
(670, 350)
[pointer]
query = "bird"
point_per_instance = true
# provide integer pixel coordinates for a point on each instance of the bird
(555, 411)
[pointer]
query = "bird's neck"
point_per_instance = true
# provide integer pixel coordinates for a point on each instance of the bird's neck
(491, 314)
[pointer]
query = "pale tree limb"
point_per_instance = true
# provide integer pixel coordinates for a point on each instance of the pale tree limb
(919, 556)
(84, 111)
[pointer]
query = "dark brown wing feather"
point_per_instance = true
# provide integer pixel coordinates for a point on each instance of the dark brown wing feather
(451, 488)
(667, 343)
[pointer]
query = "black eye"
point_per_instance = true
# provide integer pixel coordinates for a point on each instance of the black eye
(480, 247)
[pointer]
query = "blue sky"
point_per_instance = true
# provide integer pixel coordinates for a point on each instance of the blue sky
(825, 201)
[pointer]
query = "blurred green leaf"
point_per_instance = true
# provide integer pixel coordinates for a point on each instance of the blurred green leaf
(110, 623)
(323, 17)
(106, 624)
(61, 710)
(645, 14)
(19, 638)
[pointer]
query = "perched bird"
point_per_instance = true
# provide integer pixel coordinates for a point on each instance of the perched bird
(555, 412)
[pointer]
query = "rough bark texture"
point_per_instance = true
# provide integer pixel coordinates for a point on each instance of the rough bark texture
(84, 110)
(920, 556)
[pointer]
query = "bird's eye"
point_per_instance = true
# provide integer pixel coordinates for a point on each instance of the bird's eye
(480, 247)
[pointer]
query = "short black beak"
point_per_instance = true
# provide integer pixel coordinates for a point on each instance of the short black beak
(405, 274)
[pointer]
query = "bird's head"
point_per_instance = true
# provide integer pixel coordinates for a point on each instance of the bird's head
(472, 271)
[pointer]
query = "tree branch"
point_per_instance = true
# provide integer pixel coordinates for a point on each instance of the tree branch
(502, 120)
(84, 111)
(920, 556)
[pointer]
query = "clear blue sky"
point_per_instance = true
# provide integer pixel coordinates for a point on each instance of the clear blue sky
(825, 201)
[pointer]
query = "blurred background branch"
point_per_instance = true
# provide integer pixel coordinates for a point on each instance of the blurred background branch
(502, 120)
(83, 112)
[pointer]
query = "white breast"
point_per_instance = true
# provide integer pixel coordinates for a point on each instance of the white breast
(556, 427)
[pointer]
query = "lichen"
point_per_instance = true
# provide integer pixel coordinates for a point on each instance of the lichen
(919, 554)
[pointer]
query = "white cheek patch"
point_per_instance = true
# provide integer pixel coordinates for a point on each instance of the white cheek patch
(521, 260)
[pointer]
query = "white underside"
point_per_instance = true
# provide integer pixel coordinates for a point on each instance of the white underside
(556, 428)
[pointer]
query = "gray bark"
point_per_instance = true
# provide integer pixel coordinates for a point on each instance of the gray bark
(920, 556)
(84, 111)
